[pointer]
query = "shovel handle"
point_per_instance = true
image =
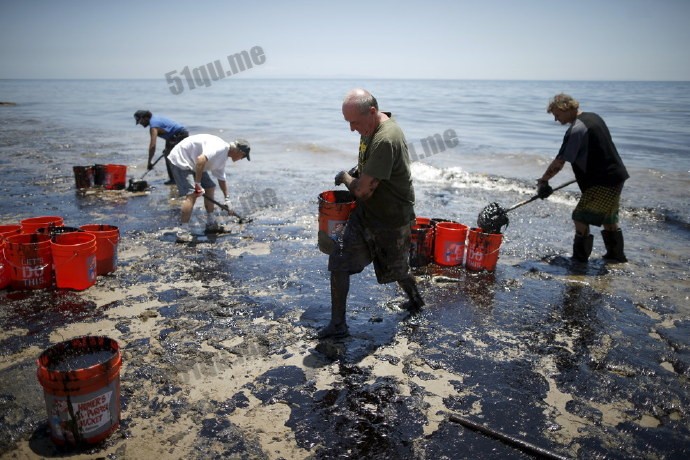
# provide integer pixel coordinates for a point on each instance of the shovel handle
(153, 165)
(226, 209)
(522, 203)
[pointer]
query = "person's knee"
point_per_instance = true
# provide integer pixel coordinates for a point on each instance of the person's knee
(581, 228)
(611, 227)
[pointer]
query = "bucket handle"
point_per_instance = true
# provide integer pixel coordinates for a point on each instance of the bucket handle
(42, 267)
(110, 241)
(492, 252)
(66, 261)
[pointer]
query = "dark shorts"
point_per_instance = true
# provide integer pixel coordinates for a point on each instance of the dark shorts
(599, 205)
(173, 141)
(388, 249)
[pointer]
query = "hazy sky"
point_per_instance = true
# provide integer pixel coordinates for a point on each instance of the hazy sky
(454, 39)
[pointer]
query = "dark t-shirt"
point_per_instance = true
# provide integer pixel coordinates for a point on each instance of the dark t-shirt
(385, 157)
(588, 147)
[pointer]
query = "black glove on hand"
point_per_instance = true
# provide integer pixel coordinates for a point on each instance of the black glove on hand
(544, 190)
(339, 178)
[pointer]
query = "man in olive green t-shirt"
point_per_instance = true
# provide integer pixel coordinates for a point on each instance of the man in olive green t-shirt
(378, 230)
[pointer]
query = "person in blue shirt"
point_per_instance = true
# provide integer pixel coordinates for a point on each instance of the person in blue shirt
(164, 128)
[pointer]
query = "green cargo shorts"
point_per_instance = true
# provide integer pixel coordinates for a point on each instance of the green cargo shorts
(387, 248)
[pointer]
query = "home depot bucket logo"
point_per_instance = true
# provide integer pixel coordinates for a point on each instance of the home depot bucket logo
(90, 415)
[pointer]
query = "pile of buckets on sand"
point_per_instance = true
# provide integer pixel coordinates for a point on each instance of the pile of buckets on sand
(433, 240)
(80, 377)
(40, 252)
(108, 176)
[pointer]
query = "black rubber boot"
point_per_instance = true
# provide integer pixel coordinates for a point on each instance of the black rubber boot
(614, 246)
(168, 166)
(415, 302)
(340, 285)
(582, 247)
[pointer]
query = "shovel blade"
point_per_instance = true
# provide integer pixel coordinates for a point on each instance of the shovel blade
(137, 185)
(492, 218)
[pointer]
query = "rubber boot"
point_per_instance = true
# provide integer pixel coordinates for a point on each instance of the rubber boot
(582, 247)
(614, 246)
(340, 285)
(415, 302)
(168, 166)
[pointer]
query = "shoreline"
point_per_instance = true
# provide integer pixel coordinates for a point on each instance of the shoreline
(218, 359)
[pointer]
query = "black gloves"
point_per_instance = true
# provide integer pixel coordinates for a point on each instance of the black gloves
(544, 190)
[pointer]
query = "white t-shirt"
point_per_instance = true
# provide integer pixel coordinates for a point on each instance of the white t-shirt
(215, 149)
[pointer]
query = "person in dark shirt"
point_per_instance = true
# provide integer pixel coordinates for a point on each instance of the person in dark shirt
(600, 174)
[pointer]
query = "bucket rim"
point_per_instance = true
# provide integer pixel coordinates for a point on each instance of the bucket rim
(42, 219)
(449, 225)
(347, 193)
(86, 238)
(90, 228)
(87, 341)
(9, 228)
(45, 239)
(481, 231)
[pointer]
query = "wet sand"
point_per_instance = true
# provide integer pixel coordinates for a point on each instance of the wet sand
(218, 359)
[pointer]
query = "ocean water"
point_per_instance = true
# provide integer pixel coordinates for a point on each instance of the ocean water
(498, 140)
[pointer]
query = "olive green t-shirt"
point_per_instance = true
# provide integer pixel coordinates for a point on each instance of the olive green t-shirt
(385, 157)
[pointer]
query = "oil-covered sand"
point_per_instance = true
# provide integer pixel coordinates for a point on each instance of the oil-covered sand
(218, 360)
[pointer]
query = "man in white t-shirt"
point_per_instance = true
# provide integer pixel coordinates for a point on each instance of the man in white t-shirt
(193, 161)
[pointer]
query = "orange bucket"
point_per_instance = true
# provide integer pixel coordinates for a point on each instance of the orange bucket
(74, 258)
(421, 242)
(449, 243)
(115, 177)
(30, 261)
(107, 238)
(5, 231)
(81, 386)
(35, 224)
(335, 207)
(482, 250)
(9, 230)
(5, 271)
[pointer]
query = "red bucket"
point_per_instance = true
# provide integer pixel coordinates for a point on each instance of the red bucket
(81, 386)
(5, 271)
(482, 250)
(74, 257)
(115, 177)
(36, 224)
(449, 243)
(107, 239)
(421, 243)
(335, 207)
(30, 261)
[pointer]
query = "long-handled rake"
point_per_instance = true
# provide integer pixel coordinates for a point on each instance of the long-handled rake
(493, 216)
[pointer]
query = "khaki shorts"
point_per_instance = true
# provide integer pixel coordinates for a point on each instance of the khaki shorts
(388, 249)
(184, 179)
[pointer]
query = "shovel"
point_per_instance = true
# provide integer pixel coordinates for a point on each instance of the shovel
(141, 185)
(240, 219)
(493, 216)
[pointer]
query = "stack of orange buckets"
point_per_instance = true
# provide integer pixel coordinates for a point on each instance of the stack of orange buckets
(40, 251)
(451, 244)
